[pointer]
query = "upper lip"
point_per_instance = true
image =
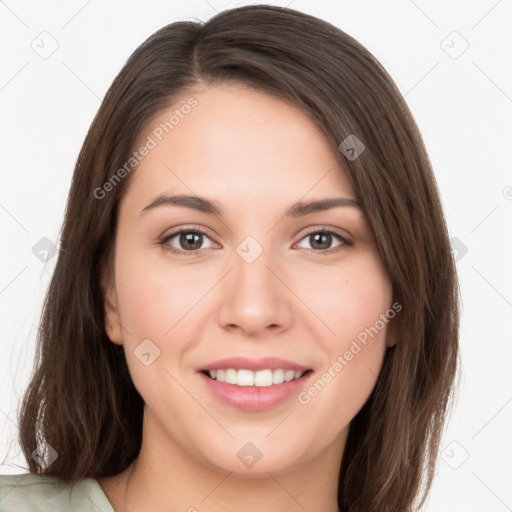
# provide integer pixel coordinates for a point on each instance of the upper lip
(254, 364)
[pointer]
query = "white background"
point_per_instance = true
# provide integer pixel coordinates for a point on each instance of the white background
(462, 105)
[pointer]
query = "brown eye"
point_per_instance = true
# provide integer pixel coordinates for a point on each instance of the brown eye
(322, 240)
(186, 241)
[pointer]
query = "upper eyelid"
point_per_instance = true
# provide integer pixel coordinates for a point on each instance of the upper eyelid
(320, 228)
(311, 230)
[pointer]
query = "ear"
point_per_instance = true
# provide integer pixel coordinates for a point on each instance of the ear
(111, 313)
(393, 330)
(390, 342)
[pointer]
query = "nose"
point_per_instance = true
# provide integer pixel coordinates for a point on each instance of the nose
(254, 297)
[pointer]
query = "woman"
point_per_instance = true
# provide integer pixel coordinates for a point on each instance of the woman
(300, 353)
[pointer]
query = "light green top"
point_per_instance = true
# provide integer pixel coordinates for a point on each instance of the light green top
(41, 493)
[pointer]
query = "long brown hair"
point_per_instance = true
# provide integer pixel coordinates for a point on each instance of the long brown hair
(81, 399)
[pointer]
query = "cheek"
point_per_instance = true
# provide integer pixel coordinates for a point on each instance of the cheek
(341, 389)
(345, 299)
(156, 299)
(156, 310)
(356, 305)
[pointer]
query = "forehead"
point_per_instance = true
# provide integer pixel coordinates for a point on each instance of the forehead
(237, 143)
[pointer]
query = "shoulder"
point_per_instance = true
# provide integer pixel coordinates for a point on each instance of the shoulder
(42, 493)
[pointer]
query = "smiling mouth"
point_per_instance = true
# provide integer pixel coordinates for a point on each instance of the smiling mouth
(260, 378)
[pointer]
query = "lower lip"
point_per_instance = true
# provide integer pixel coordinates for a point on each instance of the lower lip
(253, 398)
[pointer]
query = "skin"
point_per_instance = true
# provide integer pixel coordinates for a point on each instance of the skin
(255, 156)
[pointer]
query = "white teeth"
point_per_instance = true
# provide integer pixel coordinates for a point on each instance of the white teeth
(277, 376)
(230, 376)
(289, 375)
(243, 378)
(261, 378)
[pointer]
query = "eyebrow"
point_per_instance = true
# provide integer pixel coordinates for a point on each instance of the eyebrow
(204, 205)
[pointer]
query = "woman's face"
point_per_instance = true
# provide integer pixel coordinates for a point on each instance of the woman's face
(258, 282)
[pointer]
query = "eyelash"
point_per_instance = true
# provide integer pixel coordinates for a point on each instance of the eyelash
(345, 243)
